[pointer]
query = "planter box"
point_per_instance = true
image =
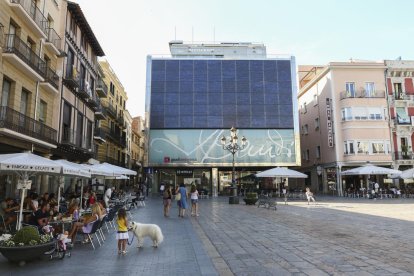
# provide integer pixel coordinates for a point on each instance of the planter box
(25, 253)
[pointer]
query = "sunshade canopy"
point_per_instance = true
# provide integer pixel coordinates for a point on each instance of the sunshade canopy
(114, 170)
(370, 170)
(28, 162)
(73, 169)
(281, 172)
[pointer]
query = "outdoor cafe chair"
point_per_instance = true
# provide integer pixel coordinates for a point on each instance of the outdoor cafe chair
(110, 218)
(94, 229)
(100, 228)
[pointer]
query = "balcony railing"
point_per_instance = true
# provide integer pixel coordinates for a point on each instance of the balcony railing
(111, 110)
(120, 120)
(71, 77)
(54, 38)
(113, 161)
(34, 12)
(100, 132)
(403, 155)
(101, 88)
(52, 78)
(84, 90)
(73, 138)
(16, 121)
(100, 112)
(13, 44)
(362, 94)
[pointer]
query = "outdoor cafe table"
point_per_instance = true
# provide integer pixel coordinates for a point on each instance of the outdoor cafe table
(61, 222)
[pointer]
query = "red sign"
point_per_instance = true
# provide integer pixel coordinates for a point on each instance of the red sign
(167, 159)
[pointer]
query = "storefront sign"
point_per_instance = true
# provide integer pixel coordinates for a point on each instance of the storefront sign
(329, 121)
(184, 172)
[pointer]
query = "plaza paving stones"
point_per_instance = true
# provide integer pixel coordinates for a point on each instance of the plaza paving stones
(337, 236)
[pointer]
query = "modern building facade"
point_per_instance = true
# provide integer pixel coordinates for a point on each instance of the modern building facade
(30, 59)
(195, 96)
(344, 122)
(113, 128)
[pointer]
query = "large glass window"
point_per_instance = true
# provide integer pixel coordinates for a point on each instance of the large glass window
(243, 93)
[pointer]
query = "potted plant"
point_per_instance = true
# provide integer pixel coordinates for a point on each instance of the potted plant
(251, 198)
(25, 245)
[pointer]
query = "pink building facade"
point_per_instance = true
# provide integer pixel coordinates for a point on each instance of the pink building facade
(344, 122)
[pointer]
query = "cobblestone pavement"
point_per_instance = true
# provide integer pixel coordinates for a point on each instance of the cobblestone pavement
(337, 236)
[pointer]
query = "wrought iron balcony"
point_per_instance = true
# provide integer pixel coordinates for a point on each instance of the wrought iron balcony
(100, 133)
(71, 77)
(31, 14)
(94, 102)
(52, 78)
(403, 155)
(111, 110)
(84, 91)
(120, 120)
(18, 122)
(68, 136)
(100, 112)
(14, 45)
(101, 88)
(53, 41)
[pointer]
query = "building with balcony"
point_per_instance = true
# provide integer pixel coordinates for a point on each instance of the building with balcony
(30, 57)
(113, 100)
(79, 97)
(195, 96)
(400, 95)
(343, 117)
(138, 149)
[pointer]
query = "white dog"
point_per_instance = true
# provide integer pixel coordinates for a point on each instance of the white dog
(141, 230)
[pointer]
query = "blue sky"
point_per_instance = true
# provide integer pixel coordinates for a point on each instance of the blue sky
(316, 32)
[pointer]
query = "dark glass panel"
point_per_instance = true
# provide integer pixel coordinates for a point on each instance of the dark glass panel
(200, 70)
(229, 70)
(172, 70)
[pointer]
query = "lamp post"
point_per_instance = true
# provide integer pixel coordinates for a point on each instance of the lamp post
(233, 147)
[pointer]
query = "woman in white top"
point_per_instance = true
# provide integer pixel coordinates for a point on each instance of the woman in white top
(194, 200)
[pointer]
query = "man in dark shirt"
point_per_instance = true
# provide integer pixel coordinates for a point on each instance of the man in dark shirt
(41, 217)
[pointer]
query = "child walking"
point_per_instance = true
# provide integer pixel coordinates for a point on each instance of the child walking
(194, 201)
(122, 234)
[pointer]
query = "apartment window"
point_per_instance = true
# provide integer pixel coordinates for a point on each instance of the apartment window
(24, 101)
(369, 89)
(350, 89)
(349, 147)
(73, 26)
(360, 113)
(316, 123)
(346, 114)
(402, 116)
(304, 108)
(363, 147)
(398, 93)
(378, 147)
(375, 113)
(42, 111)
(307, 155)
(5, 95)
(318, 152)
(315, 99)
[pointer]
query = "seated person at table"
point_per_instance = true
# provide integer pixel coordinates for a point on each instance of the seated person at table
(34, 197)
(44, 198)
(54, 212)
(7, 211)
(52, 199)
(102, 210)
(85, 224)
(41, 217)
(92, 199)
(73, 211)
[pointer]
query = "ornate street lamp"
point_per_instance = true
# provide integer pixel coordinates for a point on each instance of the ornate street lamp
(233, 147)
